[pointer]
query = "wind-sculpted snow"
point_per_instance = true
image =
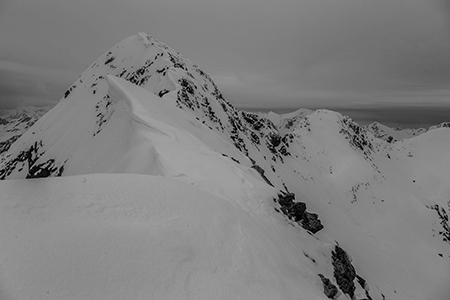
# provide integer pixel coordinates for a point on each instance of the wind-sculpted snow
(375, 212)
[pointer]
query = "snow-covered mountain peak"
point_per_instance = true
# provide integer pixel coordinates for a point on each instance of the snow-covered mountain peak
(352, 216)
(288, 121)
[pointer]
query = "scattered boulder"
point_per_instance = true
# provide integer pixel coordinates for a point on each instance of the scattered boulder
(311, 222)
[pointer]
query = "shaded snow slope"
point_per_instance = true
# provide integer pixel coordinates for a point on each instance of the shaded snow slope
(144, 237)
(142, 108)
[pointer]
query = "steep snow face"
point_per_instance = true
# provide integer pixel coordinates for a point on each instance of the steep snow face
(142, 108)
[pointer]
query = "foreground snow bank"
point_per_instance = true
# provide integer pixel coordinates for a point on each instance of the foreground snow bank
(112, 236)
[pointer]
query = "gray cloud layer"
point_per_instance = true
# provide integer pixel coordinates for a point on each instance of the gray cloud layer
(262, 53)
(22, 85)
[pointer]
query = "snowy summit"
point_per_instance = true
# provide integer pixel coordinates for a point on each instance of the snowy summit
(143, 182)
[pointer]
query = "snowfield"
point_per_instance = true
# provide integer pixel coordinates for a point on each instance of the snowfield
(116, 236)
(143, 182)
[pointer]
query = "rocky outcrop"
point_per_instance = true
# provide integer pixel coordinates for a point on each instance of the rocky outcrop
(356, 136)
(311, 222)
(296, 211)
(344, 272)
(13, 123)
(362, 282)
(444, 221)
(262, 173)
(329, 289)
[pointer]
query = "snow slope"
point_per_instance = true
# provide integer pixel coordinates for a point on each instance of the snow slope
(114, 236)
(372, 200)
(142, 108)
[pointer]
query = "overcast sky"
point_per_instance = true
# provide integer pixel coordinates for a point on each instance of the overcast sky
(262, 54)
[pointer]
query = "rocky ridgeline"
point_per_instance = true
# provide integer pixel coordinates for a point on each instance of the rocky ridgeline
(262, 144)
(152, 65)
(395, 134)
(162, 70)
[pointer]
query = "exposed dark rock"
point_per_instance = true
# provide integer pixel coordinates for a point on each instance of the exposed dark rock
(5, 145)
(344, 272)
(109, 60)
(286, 199)
(329, 289)
(162, 93)
(261, 172)
(357, 136)
(363, 284)
(296, 211)
(274, 139)
(43, 170)
(311, 222)
(444, 220)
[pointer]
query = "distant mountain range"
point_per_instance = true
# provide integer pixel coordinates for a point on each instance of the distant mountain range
(169, 192)
(13, 123)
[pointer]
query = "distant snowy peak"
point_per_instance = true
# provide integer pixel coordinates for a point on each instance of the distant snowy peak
(287, 122)
(24, 110)
(13, 123)
(395, 134)
(88, 107)
(392, 135)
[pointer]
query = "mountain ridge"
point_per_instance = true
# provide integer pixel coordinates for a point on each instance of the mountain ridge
(142, 108)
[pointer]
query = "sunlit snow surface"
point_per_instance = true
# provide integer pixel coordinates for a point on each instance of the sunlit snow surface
(200, 222)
